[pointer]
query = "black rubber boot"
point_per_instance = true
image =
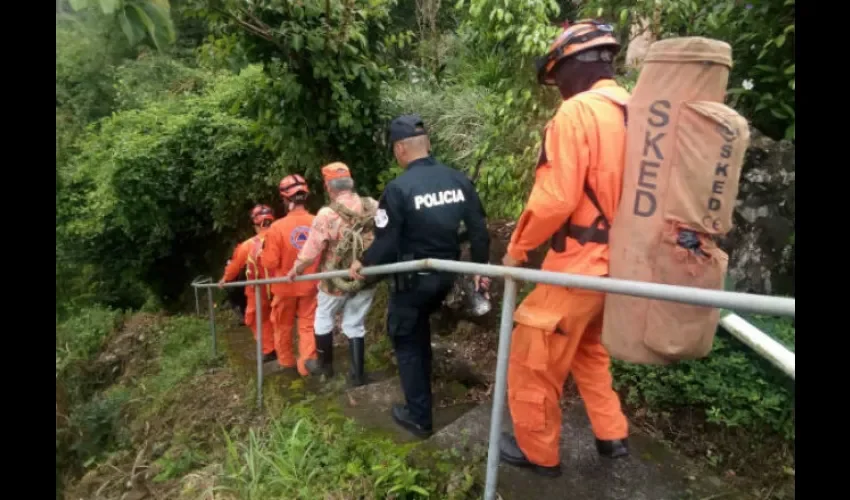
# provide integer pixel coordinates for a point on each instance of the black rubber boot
(357, 351)
(272, 356)
(314, 366)
(510, 452)
(325, 349)
(402, 418)
(617, 448)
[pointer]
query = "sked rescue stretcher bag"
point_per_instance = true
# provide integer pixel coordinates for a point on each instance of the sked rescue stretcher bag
(684, 154)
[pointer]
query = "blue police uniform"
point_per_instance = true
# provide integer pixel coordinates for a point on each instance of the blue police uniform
(418, 217)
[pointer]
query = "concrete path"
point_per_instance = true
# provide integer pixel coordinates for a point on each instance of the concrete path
(652, 472)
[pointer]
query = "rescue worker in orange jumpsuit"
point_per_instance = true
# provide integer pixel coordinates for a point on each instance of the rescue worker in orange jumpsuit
(576, 192)
(247, 255)
(284, 240)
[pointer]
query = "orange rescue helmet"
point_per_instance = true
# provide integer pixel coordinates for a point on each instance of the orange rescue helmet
(260, 214)
(292, 185)
(578, 40)
(335, 170)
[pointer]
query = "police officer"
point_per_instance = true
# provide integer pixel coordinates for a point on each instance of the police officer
(418, 217)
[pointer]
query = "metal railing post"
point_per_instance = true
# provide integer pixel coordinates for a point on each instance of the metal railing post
(258, 303)
(212, 320)
(197, 302)
(505, 330)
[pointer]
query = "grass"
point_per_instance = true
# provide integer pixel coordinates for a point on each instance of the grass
(78, 340)
(169, 399)
(157, 355)
(184, 351)
(312, 451)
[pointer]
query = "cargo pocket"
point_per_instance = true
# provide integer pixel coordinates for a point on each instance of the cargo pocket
(530, 342)
(679, 331)
(528, 410)
(401, 321)
(711, 140)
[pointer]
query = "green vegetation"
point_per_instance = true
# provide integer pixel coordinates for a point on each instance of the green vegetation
(734, 385)
(108, 382)
(170, 391)
(174, 118)
(304, 455)
(761, 33)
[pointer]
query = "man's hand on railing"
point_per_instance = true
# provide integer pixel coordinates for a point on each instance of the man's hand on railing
(509, 261)
(482, 284)
(221, 283)
(291, 274)
(354, 270)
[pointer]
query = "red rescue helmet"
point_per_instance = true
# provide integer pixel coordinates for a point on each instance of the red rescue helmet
(292, 185)
(260, 214)
(587, 40)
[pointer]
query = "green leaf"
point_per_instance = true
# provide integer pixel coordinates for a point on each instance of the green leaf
(420, 490)
(109, 6)
(132, 30)
(163, 30)
(790, 134)
(790, 69)
(778, 114)
(79, 5)
(780, 40)
(142, 18)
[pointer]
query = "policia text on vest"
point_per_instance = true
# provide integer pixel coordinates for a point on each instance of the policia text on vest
(437, 199)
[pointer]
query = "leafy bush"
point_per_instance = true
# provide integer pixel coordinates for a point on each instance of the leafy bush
(152, 77)
(456, 118)
(78, 340)
(734, 385)
(139, 20)
(498, 41)
(154, 189)
(761, 33)
(185, 351)
(96, 425)
(84, 427)
(84, 68)
(325, 62)
(304, 455)
(781, 329)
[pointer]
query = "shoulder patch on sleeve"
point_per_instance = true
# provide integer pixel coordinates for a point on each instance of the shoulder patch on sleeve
(381, 218)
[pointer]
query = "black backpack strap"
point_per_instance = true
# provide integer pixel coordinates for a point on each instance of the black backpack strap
(596, 232)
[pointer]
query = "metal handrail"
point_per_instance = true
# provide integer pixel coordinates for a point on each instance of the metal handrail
(752, 303)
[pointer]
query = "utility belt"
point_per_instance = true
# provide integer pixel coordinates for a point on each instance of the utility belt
(596, 232)
(405, 282)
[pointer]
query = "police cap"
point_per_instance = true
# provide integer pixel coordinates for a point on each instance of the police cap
(404, 127)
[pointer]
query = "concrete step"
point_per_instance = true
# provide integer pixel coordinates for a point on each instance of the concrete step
(652, 472)
(371, 406)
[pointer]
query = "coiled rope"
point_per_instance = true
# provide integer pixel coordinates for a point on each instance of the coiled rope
(351, 244)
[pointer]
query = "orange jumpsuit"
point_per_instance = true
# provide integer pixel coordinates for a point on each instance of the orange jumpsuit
(558, 329)
(284, 239)
(248, 254)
